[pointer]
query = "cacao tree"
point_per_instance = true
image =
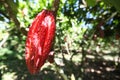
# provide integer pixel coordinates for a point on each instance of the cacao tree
(86, 44)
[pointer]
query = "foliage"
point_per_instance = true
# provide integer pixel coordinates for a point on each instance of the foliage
(86, 44)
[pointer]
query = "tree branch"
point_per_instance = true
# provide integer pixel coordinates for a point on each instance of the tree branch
(11, 13)
(4, 14)
(55, 6)
(12, 16)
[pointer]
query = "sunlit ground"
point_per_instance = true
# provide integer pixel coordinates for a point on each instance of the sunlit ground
(100, 66)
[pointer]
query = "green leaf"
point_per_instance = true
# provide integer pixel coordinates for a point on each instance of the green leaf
(115, 3)
(91, 2)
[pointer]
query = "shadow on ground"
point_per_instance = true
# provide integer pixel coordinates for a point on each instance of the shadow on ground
(92, 69)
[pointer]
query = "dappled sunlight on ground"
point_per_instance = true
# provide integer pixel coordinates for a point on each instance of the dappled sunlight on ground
(95, 67)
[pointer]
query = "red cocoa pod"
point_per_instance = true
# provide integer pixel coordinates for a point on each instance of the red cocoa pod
(101, 33)
(51, 57)
(117, 36)
(39, 40)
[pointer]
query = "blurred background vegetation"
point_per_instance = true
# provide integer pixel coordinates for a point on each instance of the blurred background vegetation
(87, 42)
